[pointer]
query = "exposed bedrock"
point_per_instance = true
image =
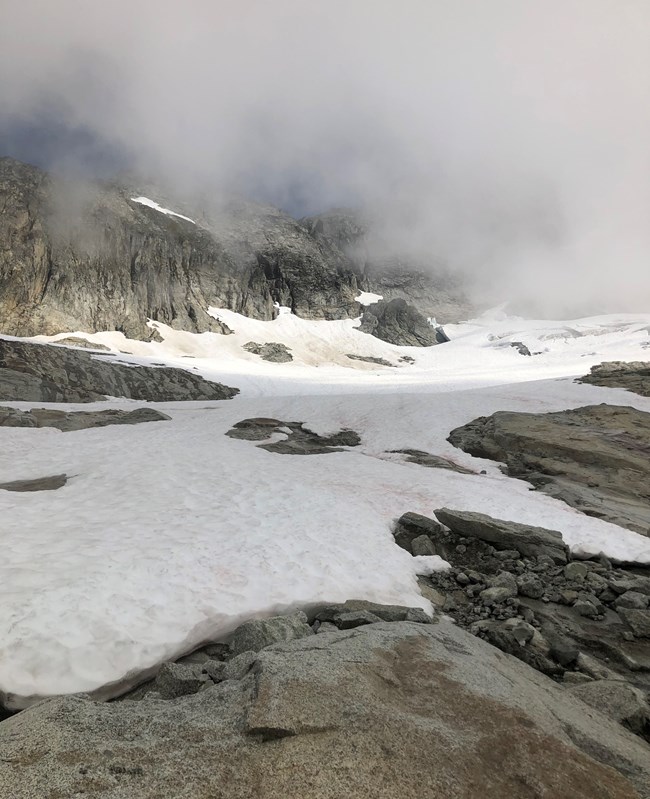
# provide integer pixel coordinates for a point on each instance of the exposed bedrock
(387, 709)
(596, 458)
(68, 421)
(633, 376)
(46, 373)
(399, 323)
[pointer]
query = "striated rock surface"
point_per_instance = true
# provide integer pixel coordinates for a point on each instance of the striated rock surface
(45, 373)
(633, 376)
(384, 710)
(596, 458)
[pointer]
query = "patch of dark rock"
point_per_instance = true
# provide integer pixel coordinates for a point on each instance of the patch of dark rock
(299, 440)
(596, 458)
(407, 359)
(271, 351)
(68, 421)
(399, 323)
(521, 348)
(75, 341)
(431, 461)
(32, 372)
(370, 359)
(532, 605)
(633, 376)
(50, 483)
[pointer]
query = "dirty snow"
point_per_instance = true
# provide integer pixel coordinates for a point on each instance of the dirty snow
(170, 533)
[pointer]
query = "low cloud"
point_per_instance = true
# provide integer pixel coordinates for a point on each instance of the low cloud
(506, 139)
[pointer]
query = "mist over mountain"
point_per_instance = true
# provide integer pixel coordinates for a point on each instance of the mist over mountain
(506, 141)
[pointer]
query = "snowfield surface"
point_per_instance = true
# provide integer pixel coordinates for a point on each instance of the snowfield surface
(169, 534)
(153, 204)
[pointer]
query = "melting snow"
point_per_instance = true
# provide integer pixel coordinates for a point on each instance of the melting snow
(156, 207)
(171, 533)
(368, 298)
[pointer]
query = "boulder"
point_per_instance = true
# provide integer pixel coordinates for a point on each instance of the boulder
(527, 539)
(386, 710)
(259, 633)
(50, 483)
(298, 440)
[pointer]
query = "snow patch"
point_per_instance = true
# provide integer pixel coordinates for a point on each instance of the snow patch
(368, 298)
(153, 204)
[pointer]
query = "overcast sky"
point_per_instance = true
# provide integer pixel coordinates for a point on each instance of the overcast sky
(505, 135)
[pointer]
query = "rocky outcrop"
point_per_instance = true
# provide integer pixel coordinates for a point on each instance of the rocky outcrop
(45, 373)
(568, 621)
(386, 709)
(398, 323)
(67, 421)
(633, 376)
(296, 440)
(88, 257)
(271, 351)
(596, 458)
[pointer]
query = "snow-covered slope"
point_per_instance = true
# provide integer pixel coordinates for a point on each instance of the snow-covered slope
(172, 533)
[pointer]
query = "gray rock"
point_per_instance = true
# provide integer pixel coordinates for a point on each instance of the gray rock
(239, 666)
(399, 323)
(355, 618)
(593, 458)
(299, 440)
(271, 351)
(505, 580)
(631, 599)
(576, 678)
(68, 421)
(38, 484)
(528, 540)
(412, 525)
(633, 376)
(389, 613)
(370, 359)
(585, 608)
(178, 679)
(632, 582)
(575, 570)
(422, 545)
(259, 633)
(46, 373)
(617, 699)
(530, 585)
(638, 620)
(496, 595)
(431, 461)
(386, 710)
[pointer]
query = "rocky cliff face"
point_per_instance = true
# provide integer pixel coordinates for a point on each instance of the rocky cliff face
(88, 258)
(382, 268)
